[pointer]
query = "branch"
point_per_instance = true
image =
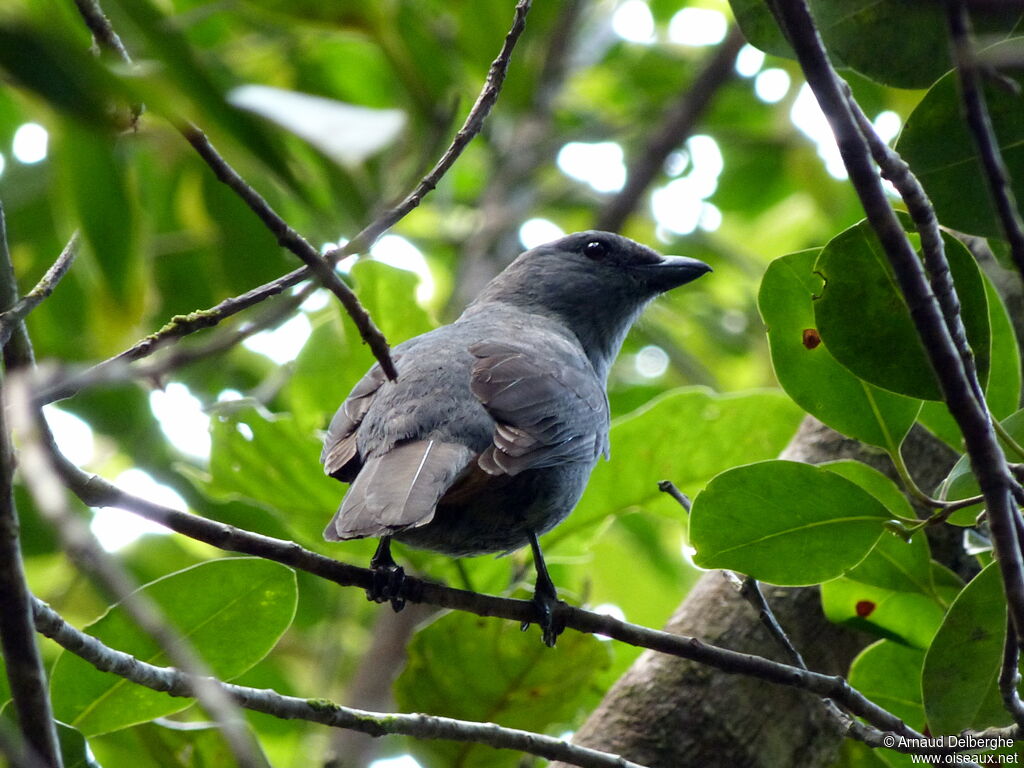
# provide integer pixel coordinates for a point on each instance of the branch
(95, 491)
(980, 125)
(1009, 676)
(11, 317)
(675, 128)
(24, 663)
(113, 579)
(176, 683)
(896, 170)
(987, 459)
(183, 325)
(117, 370)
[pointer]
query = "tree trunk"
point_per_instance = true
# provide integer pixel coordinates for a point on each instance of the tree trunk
(669, 712)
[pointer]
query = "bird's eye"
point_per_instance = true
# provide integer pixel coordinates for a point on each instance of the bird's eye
(595, 249)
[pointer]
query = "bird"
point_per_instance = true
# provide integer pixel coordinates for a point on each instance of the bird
(486, 439)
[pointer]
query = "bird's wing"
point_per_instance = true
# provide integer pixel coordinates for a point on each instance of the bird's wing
(549, 406)
(398, 490)
(340, 456)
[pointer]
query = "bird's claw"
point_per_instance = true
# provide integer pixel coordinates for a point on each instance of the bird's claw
(388, 581)
(550, 617)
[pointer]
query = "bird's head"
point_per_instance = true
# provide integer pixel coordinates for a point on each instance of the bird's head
(595, 283)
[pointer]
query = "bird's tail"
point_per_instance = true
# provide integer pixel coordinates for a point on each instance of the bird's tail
(398, 490)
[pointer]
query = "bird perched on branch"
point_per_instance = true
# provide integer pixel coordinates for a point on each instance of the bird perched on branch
(488, 436)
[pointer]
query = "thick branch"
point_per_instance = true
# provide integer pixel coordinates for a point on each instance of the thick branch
(21, 655)
(987, 459)
(676, 127)
(176, 683)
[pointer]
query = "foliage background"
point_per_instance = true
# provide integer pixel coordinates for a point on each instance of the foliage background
(163, 237)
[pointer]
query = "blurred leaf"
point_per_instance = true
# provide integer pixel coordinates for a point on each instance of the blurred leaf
(269, 460)
(346, 133)
(686, 436)
(784, 522)
(961, 669)
(941, 152)
(152, 745)
(480, 669)
(232, 611)
(864, 321)
(758, 26)
(805, 366)
(961, 483)
(97, 179)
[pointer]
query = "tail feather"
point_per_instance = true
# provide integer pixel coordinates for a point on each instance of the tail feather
(398, 490)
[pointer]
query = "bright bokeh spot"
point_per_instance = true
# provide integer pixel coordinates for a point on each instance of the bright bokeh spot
(651, 362)
(281, 344)
(710, 217)
(29, 145)
(116, 528)
(887, 125)
(697, 26)
(772, 85)
(3, 163)
(679, 206)
(634, 22)
(182, 419)
(749, 61)
(396, 251)
(601, 164)
(74, 437)
(807, 116)
(402, 761)
(534, 232)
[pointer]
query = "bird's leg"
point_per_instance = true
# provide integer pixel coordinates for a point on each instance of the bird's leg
(545, 597)
(388, 577)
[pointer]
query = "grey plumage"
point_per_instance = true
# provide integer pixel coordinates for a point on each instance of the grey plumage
(495, 422)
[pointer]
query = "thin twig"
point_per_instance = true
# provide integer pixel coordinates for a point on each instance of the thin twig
(183, 325)
(675, 128)
(25, 671)
(288, 238)
(10, 318)
(922, 213)
(987, 459)
(118, 371)
(667, 486)
(176, 683)
(84, 550)
(1009, 676)
(980, 125)
(102, 31)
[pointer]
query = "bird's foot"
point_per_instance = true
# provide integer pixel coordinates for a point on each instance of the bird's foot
(550, 615)
(388, 577)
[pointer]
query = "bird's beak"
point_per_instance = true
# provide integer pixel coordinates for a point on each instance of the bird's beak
(673, 271)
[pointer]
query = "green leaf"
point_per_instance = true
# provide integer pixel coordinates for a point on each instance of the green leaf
(889, 674)
(232, 611)
(961, 483)
(1002, 391)
(807, 370)
(864, 321)
(480, 669)
(961, 669)
(942, 154)
(720, 431)
(911, 617)
(856, 30)
(784, 522)
(758, 25)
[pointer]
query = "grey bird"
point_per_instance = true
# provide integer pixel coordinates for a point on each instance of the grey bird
(488, 436)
